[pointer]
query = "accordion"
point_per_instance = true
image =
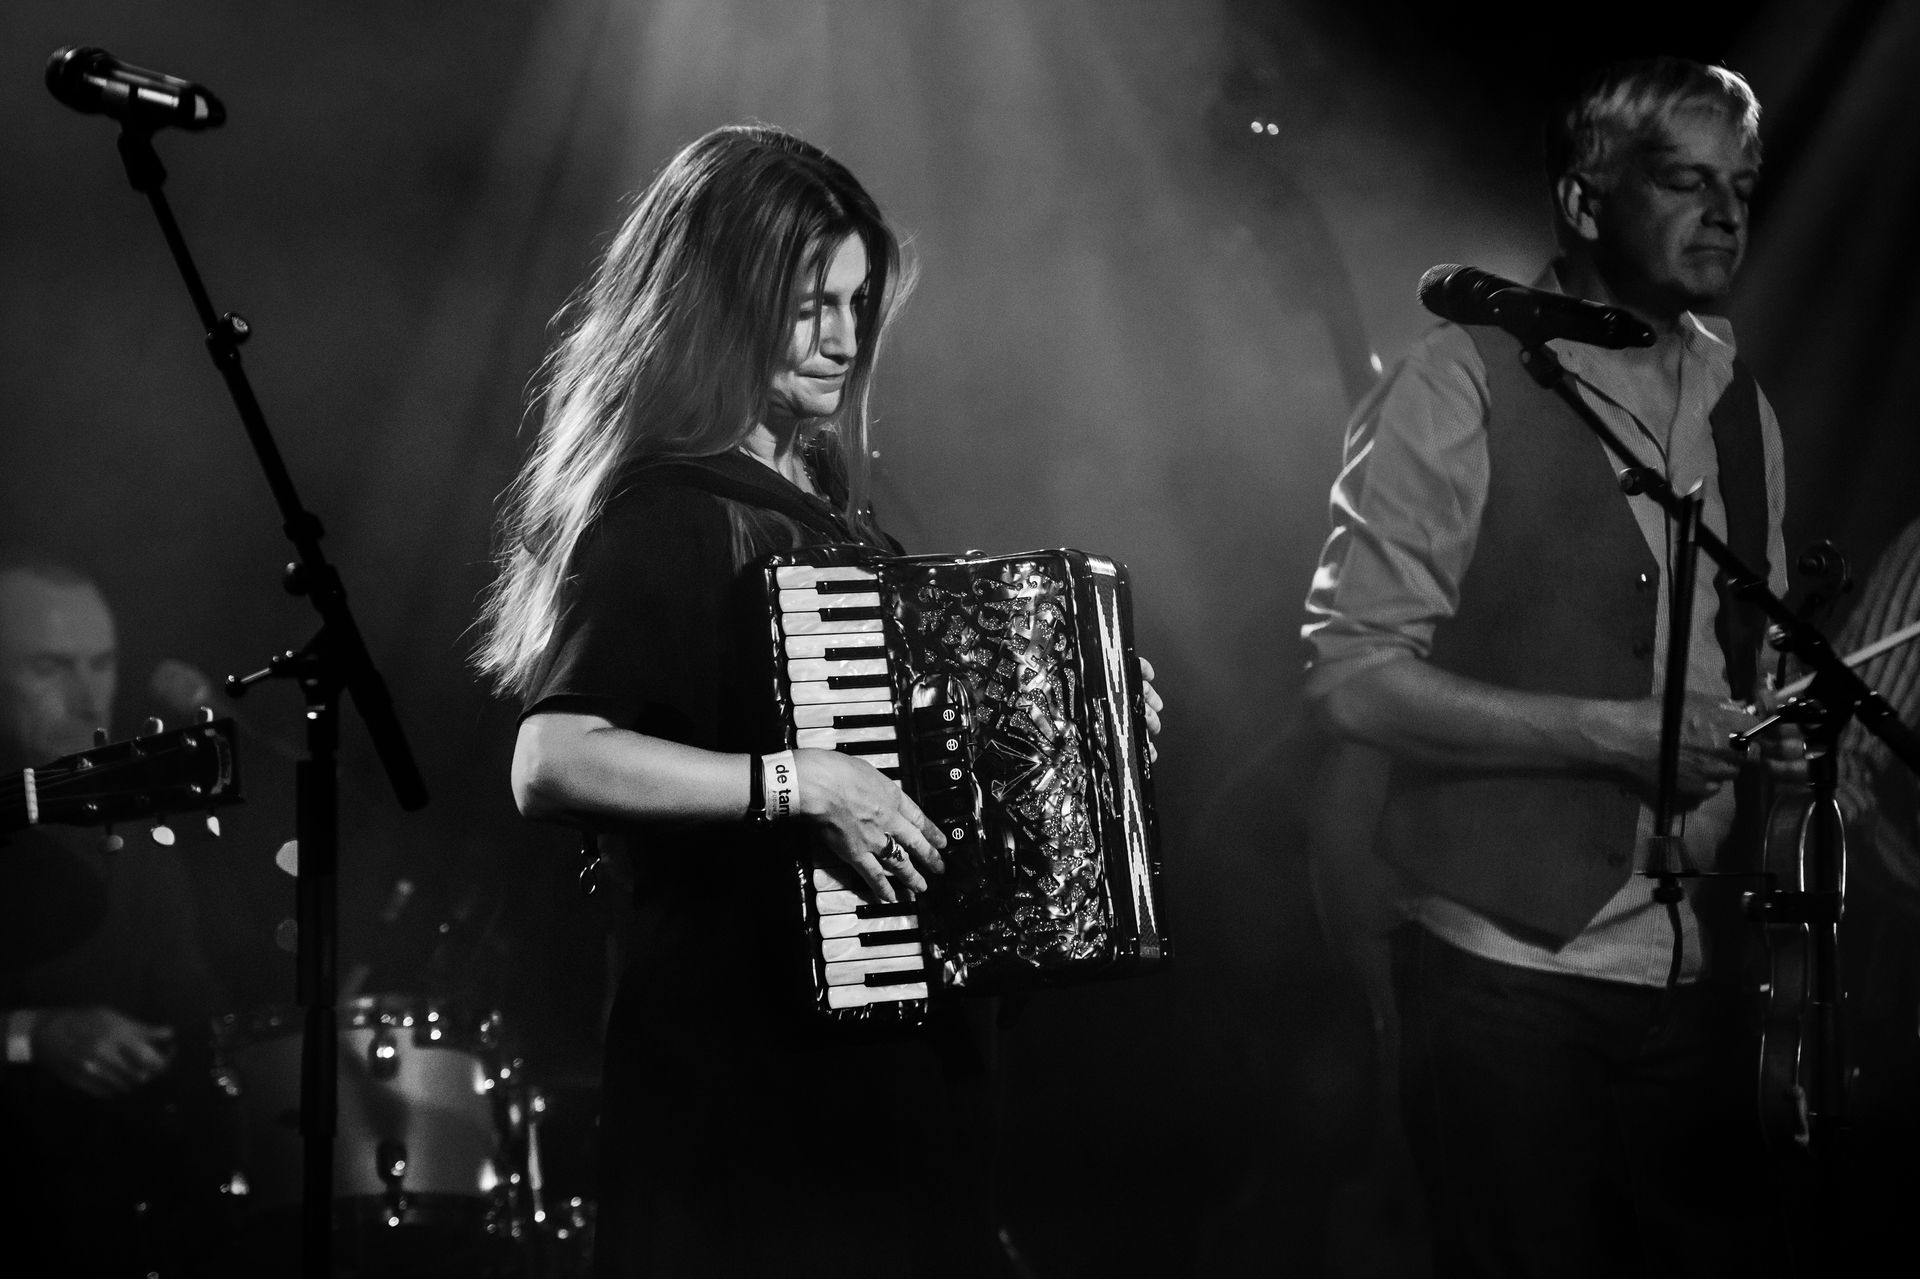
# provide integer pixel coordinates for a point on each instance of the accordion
(1003, 694)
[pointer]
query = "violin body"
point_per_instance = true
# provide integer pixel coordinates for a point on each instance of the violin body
(1802, 1082)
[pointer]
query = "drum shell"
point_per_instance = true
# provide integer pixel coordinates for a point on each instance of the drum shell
(421, 1113)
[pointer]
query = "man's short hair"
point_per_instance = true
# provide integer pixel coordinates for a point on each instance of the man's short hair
(24, 559)
(1625, 103)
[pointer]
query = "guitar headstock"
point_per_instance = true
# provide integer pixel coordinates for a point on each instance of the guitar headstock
(139, 778)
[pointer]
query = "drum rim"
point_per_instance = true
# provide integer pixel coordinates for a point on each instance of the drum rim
(460, 1023)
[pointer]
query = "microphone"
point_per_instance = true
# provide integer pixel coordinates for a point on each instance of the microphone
(179, 687)
(93, 81)
(1467, 295)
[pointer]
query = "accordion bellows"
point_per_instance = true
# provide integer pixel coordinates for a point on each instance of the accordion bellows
(1003, 693)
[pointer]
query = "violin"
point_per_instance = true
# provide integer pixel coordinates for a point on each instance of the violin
(1802, 1077)
(1804, 860)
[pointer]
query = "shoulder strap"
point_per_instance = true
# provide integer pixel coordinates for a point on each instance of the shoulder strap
(741, 479)
(1738, 441)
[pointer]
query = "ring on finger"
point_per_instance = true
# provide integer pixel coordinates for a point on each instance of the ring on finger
(894, 854)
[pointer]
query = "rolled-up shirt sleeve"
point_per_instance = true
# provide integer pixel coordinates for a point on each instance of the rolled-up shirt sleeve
(1405, 513)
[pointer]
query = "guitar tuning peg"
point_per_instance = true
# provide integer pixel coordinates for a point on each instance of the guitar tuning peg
(203, 715)
(213, 824)
(150, 725)
(110, 842)
(99, 737)
(161, 834)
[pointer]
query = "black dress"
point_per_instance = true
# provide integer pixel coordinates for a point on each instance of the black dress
(735, 1140)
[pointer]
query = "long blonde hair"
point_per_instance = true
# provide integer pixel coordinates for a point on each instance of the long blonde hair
(670, 349)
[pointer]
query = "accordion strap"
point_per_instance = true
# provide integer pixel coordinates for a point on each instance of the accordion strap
(742, 479)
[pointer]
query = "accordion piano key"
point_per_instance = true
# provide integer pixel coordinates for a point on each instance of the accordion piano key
(846, 997)
(832, 644)
(831, 738)
(834, 878)
(809, 669)
(852, 925)
(854, 972)
(816, 693)
(863, 946)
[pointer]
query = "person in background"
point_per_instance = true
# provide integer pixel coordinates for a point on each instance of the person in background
(102, 976)
(1879, 799)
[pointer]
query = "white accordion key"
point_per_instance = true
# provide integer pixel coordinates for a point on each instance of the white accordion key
(814, 624)
(853, 972)
(822, 645)
(862, 996)
(816, 692)
(838, 901)
(794, 603)
(851, 925)
(795, 576)
(822, 669)
(827, 714)
(838, 877)
(828, 738)
(842, 901)
(836, 949)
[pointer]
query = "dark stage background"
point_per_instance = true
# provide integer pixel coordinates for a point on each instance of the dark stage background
(1138, 329)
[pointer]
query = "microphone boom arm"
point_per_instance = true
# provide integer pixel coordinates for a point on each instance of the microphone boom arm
(1843, 691)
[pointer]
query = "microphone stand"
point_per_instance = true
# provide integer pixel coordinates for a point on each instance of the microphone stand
(333, 661)
(1666, 852)
(1839, 694)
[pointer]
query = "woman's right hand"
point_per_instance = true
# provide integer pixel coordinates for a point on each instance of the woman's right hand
(868, 821)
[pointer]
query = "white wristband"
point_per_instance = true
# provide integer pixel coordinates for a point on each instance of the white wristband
(781, 783)
(20, 1023)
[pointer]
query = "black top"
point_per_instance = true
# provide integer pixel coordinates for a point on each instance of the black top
(717, 1097)
(644, 606)
(653, 635)
(654, 584)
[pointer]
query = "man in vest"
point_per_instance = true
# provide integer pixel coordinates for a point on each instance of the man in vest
(1491, 611)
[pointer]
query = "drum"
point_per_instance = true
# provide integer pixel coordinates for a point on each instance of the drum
(431, 1135)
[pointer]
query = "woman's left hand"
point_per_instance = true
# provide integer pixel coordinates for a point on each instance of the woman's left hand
(1150, 698)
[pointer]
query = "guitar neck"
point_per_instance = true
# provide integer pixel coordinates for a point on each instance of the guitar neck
(140, 778)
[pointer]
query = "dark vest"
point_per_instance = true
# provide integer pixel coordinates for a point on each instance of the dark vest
(1560, 598)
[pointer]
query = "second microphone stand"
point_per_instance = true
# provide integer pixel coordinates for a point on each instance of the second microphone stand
(336, 660)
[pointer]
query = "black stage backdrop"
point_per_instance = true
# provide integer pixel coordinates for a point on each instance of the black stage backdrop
(1138, 329)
